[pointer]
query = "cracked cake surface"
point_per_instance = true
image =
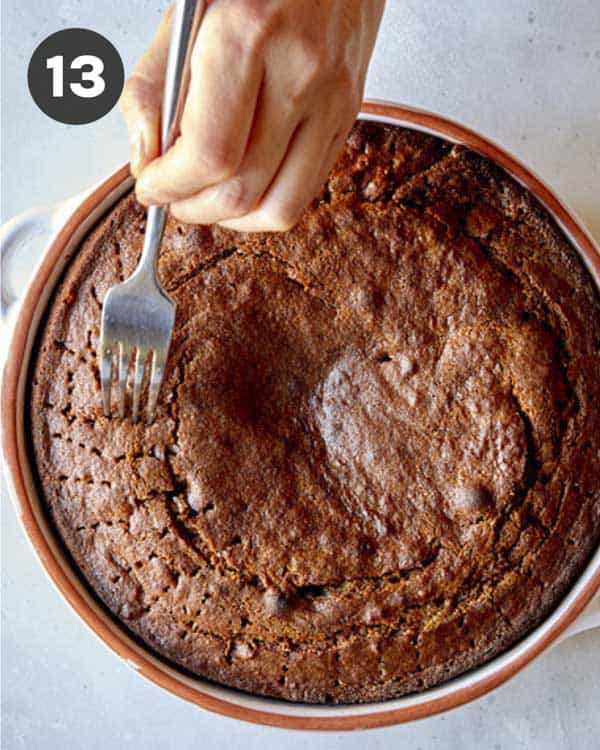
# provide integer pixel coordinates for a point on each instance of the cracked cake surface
(376, 457)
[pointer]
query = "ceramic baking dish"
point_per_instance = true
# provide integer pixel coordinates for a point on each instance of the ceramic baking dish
(67, 224)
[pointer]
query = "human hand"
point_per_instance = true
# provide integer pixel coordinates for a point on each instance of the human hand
(275, 86)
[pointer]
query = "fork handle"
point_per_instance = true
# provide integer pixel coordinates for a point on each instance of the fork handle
(186, 21)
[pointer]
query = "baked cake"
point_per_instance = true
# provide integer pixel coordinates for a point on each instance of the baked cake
(376, 458)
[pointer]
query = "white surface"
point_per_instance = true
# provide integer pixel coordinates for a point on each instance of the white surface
(526, 74)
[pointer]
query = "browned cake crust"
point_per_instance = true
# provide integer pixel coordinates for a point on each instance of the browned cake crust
(376, 460)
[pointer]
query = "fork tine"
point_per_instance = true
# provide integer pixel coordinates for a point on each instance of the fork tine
(156, 376)
(124, 353)
(140, 361)
(106, 364)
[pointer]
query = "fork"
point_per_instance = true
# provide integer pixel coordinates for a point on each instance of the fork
(138, 315)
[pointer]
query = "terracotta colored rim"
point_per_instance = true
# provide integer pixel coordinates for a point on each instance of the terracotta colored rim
(289, 716)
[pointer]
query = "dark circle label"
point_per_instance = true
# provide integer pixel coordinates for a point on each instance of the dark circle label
(75, 76)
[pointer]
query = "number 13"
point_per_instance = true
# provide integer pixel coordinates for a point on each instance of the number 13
(93, 76)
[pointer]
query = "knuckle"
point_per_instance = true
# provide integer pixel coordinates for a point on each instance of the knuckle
(138, 94)
(215, 163)
(258, 21)
(314, 59)
(235, 199)
(247, 27)
(310, 68)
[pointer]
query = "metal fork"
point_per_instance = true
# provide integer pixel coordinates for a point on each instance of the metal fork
(138, 315)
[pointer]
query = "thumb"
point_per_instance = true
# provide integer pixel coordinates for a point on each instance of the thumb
(141, 99)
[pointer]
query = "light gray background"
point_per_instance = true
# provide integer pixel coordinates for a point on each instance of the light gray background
(525, 73)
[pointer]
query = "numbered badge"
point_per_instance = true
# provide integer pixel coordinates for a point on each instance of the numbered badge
(75, 76)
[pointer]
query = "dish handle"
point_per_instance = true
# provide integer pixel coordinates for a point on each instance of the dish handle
(23, 241)
(587, 620)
